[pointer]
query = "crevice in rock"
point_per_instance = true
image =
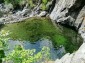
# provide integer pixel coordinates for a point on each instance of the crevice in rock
(67, 26)
(51, 7)
(75, 9)
(80, 24)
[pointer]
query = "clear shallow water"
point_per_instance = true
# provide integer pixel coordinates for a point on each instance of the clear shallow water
(38, 46)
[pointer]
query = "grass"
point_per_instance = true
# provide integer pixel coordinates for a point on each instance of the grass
(34, 29)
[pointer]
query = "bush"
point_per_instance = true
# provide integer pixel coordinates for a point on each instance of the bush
(3, 43)
(15, 3)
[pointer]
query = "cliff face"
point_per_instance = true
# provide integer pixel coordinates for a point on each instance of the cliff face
(67, 11)
(72, 13)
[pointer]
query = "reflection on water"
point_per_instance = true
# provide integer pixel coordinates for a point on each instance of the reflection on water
(38, 46)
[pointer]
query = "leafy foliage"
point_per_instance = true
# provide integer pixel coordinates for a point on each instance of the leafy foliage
(20, 55)
(44, 2)
(3, 39)
(16, 3)
(3, 43)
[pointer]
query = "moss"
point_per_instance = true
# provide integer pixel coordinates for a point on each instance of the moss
(34, 29)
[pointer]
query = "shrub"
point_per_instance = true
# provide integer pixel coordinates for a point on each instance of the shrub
(3, 43)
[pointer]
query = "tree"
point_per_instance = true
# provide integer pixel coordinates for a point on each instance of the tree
(20, 55)
(3, 43)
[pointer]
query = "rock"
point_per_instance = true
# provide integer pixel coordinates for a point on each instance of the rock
(80, 23)
(65, 11)
(76, 57)
(8, 7)
(0, 6)
(43, 13)
(61, 9)
(25, 12)
(79, 20)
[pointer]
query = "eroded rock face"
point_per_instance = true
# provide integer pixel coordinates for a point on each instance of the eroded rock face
(61, 10)
(66, 11)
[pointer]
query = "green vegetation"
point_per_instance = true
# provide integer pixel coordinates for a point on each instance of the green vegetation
(34, 29)
(3, 43)
(44, 2)
(16, 3)
(31, 3)
(20, 55)
(3, 40)
(1, 14)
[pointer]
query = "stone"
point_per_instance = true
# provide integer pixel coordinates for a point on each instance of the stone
(43, 13)
(76, 57)
(8, 7)
(25, 12)
(80, 17)
(61, 9)
(65, 11)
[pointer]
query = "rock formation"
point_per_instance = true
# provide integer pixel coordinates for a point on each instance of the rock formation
(72, 13)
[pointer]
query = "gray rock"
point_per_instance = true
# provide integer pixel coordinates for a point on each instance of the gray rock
(43, 13)
(61, 9)
(80, 17)
(25, 12)
(8, 7)
(65, 11)
(76, 57)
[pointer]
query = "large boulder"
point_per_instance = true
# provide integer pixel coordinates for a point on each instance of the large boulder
(5, 8)
(61, 9)
(8, 7)
(66, 11)
(43, 13)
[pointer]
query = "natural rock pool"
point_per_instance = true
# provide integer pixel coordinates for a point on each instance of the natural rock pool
(34, 33)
